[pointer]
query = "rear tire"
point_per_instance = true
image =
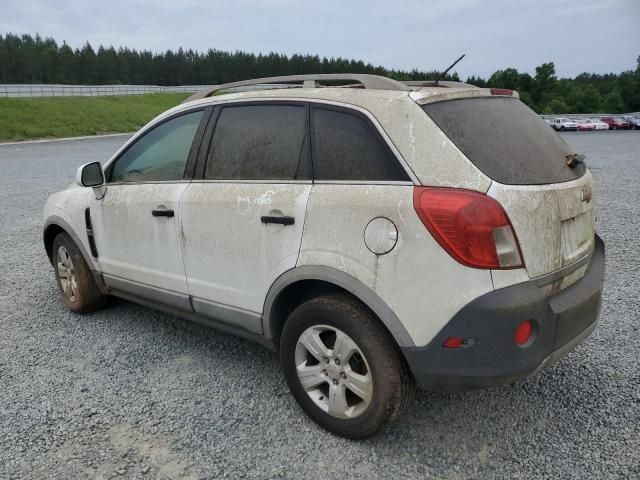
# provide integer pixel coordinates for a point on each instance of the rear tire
(78, 290)
(337, 347)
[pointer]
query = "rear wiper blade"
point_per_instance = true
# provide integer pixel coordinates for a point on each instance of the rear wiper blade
(574, 159)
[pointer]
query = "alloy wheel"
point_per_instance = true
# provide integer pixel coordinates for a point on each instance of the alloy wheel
(333, 371)
(67, 274)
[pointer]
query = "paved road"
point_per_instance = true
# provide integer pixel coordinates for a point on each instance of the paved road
(133, 393)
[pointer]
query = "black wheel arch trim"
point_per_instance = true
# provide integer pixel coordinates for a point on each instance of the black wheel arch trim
(56, 221)
(343, 280)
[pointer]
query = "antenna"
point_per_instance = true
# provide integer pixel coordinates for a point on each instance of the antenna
(450, 67)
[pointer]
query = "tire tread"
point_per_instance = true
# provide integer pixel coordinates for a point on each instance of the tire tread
(90, 296)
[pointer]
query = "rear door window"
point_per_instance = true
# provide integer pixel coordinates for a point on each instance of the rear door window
(506, 140)
(347, 147)
(259, 142)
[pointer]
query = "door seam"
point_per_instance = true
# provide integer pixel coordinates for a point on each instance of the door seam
(182, 242)
(304, 224)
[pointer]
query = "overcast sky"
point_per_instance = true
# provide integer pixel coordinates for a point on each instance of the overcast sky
(578, 35)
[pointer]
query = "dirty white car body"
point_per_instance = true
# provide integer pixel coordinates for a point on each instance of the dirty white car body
(216, 260)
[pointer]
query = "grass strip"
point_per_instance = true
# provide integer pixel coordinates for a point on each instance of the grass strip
(57, 117)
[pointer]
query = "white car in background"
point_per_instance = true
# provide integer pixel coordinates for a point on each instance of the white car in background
(597, 124)
(562, 124)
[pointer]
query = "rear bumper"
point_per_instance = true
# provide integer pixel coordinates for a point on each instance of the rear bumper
(492, 357)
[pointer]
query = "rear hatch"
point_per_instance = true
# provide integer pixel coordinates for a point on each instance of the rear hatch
(549, 203)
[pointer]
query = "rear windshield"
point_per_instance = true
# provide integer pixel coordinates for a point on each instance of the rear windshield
(505, 139)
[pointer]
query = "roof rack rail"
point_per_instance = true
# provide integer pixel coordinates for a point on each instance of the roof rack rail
(440, 83)
(375, 82)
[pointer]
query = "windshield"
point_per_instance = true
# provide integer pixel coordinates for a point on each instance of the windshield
(505, 139)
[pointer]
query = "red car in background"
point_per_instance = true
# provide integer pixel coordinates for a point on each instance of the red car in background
(616, 123)
(583, 125)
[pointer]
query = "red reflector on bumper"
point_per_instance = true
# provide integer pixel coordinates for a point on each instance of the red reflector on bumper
(454, 342)
(523, 333)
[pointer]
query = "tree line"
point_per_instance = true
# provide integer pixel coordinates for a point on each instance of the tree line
(586, 93)
(33, 59)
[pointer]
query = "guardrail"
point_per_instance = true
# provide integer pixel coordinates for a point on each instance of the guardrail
(60, 90)
(54, 90)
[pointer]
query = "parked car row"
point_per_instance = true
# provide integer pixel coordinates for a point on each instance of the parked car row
(626, 122)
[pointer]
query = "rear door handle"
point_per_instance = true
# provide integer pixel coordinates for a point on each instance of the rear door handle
(280, 219)
(162, 213)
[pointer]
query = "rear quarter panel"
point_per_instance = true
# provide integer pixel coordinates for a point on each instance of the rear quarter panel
(433, 157)
(418, 280)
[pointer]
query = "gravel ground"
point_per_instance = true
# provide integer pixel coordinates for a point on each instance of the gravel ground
(128, 392)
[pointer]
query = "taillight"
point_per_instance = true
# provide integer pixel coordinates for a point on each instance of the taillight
(454, 342)
(472, 227)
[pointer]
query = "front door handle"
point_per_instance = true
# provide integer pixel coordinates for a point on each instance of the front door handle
(280, 219)
(162, 212)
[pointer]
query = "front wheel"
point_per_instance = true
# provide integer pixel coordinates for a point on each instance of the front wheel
(562, 129)
(343, 368)
(78, 290)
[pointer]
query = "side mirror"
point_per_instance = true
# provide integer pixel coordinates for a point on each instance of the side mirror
(90, 175)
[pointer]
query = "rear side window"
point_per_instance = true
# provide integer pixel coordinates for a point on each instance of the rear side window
(506, 140)
(161, 154)
(259, 142)
(346, 147)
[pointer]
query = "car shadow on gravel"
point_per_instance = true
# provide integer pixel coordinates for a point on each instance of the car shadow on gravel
(178, 336)
(146, 390)
(559, 394)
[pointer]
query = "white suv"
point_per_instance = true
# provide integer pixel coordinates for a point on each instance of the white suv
(378, 238)
(562, 124)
